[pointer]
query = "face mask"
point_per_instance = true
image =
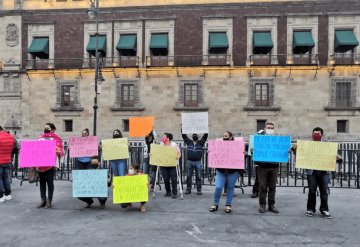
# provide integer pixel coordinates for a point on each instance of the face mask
(116, 136)
(226, 139)
(195, 138)
(316, 137)
(269, 131)
(47, 131)
(164, 140)
(131, 172)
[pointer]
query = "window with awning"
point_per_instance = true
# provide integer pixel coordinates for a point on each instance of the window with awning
(159, 44)
(218, 42)
(91, 46)
(303, 42)
(262, 42)
(345, 40)
(39, 47)
(127, 45)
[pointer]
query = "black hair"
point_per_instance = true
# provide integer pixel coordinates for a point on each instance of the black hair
(118, 131)
(169, 135)
(1, 128)
(86, 130)
(231, 136)
(318, 129)
(270, 123)
(52, 126)
(135, 166)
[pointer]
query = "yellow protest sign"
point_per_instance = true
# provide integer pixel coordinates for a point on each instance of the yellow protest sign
(130, 189)
(315, 155)
(162, 156)
(114, 149)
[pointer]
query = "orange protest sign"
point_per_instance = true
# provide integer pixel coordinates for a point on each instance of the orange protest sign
(140, 126)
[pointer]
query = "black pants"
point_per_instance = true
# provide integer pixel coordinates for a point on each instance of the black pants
(318, 179)
(256, 184)
(267, 184)
(169, 173)
(47, 177)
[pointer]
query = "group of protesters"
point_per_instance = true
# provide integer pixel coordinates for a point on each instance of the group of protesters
(264, 187)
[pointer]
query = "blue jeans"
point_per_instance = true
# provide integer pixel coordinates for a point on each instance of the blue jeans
(118, 167)
(5, 180)
(220, 180)
(321, 179)
(191, 165)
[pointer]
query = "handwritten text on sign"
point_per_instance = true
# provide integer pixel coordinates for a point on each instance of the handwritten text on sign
(130, 189)
(271, 148)
(83, 146)
(162, 156)
(90, 183)
(226, 154)
(195, 122)
(316, 155)
(114, 149)
(38, 153)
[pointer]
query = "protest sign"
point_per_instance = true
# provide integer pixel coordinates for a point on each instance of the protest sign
(271, 148)
(90, 183)
(226, 154)
(83, 146)
(140, 126)
(130, 189)
(34, 153)
(162, 156)
(316, 155)
(195, 123)
(114, 149)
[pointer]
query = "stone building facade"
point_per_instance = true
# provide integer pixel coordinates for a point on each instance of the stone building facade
(244, 62)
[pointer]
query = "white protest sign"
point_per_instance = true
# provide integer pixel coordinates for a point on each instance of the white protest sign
(195, 122)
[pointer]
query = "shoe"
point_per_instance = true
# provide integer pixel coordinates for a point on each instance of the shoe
(199, 193)
(168, 194)
(129, 205)
(228, 209)
(142, 208)
(309, 213)
(48, 204)
(43, 203)
(152, 189)
(262, 209)
(88, 204)
(102, 205)
(7, 198)
(273, 209)
(214, 208)
(2, 199)
(254, 195)
(326, 214)
(188, 191)
(174, 196)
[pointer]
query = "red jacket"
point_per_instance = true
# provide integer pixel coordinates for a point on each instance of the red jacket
(7, 143)
(51, 136)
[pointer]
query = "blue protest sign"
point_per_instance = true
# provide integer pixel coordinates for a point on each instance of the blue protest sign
(90, 183)
(271, 148)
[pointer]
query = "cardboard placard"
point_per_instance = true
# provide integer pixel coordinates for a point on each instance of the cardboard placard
(163, 156)
(37, 153)
(195, 123)
(83, 146)
(90, 183)
(271, 148)
(140, 126)
(130, 189)
(226, 154)
(115, 149)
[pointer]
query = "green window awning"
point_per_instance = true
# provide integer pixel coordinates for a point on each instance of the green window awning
(218, 40)
(91, 46)
(127, 42)
(159, 41)
(39, 46)
(345, 40)
(262, 39)
(303, 42)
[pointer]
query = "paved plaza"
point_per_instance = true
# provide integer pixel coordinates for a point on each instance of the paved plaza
(176, 222)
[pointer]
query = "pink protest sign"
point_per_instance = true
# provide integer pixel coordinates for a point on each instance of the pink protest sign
(226, 154)
(38, 153)
(83, 146)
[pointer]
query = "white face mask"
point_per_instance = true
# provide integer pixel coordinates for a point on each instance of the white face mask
(131, 171)
(269, 131)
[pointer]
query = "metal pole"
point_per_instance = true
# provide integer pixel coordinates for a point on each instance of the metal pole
(96, 65)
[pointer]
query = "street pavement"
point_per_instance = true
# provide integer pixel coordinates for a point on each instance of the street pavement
(176, 222)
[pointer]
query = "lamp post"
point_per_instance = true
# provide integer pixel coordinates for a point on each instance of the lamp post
(94, 12)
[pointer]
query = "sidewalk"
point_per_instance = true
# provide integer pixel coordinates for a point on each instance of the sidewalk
(176, 222)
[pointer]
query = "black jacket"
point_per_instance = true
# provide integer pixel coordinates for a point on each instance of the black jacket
(194, 149)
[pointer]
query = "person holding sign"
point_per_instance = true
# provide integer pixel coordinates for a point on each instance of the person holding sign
(169, 173)
(194, 155)
(267, 174)
(47, 173)
(150, 169)
(225, 176)
(119, 166)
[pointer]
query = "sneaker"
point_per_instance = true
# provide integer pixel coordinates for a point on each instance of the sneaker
(152, 189)
(326, 214)
(174, 196)
(199, 193)
(7, 198)
(2, 199)
(188, 192)
(309, 213)
(168, 194)
(142, 208)
(102, 205)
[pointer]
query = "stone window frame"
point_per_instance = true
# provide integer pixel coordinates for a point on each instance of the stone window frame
(137, 104)
(251, 106)
(179, 106)
(11, 85)
(42, 30)
(215, 24)
(355, 106)
(297, 23)
(77, 105)
(262, 24)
